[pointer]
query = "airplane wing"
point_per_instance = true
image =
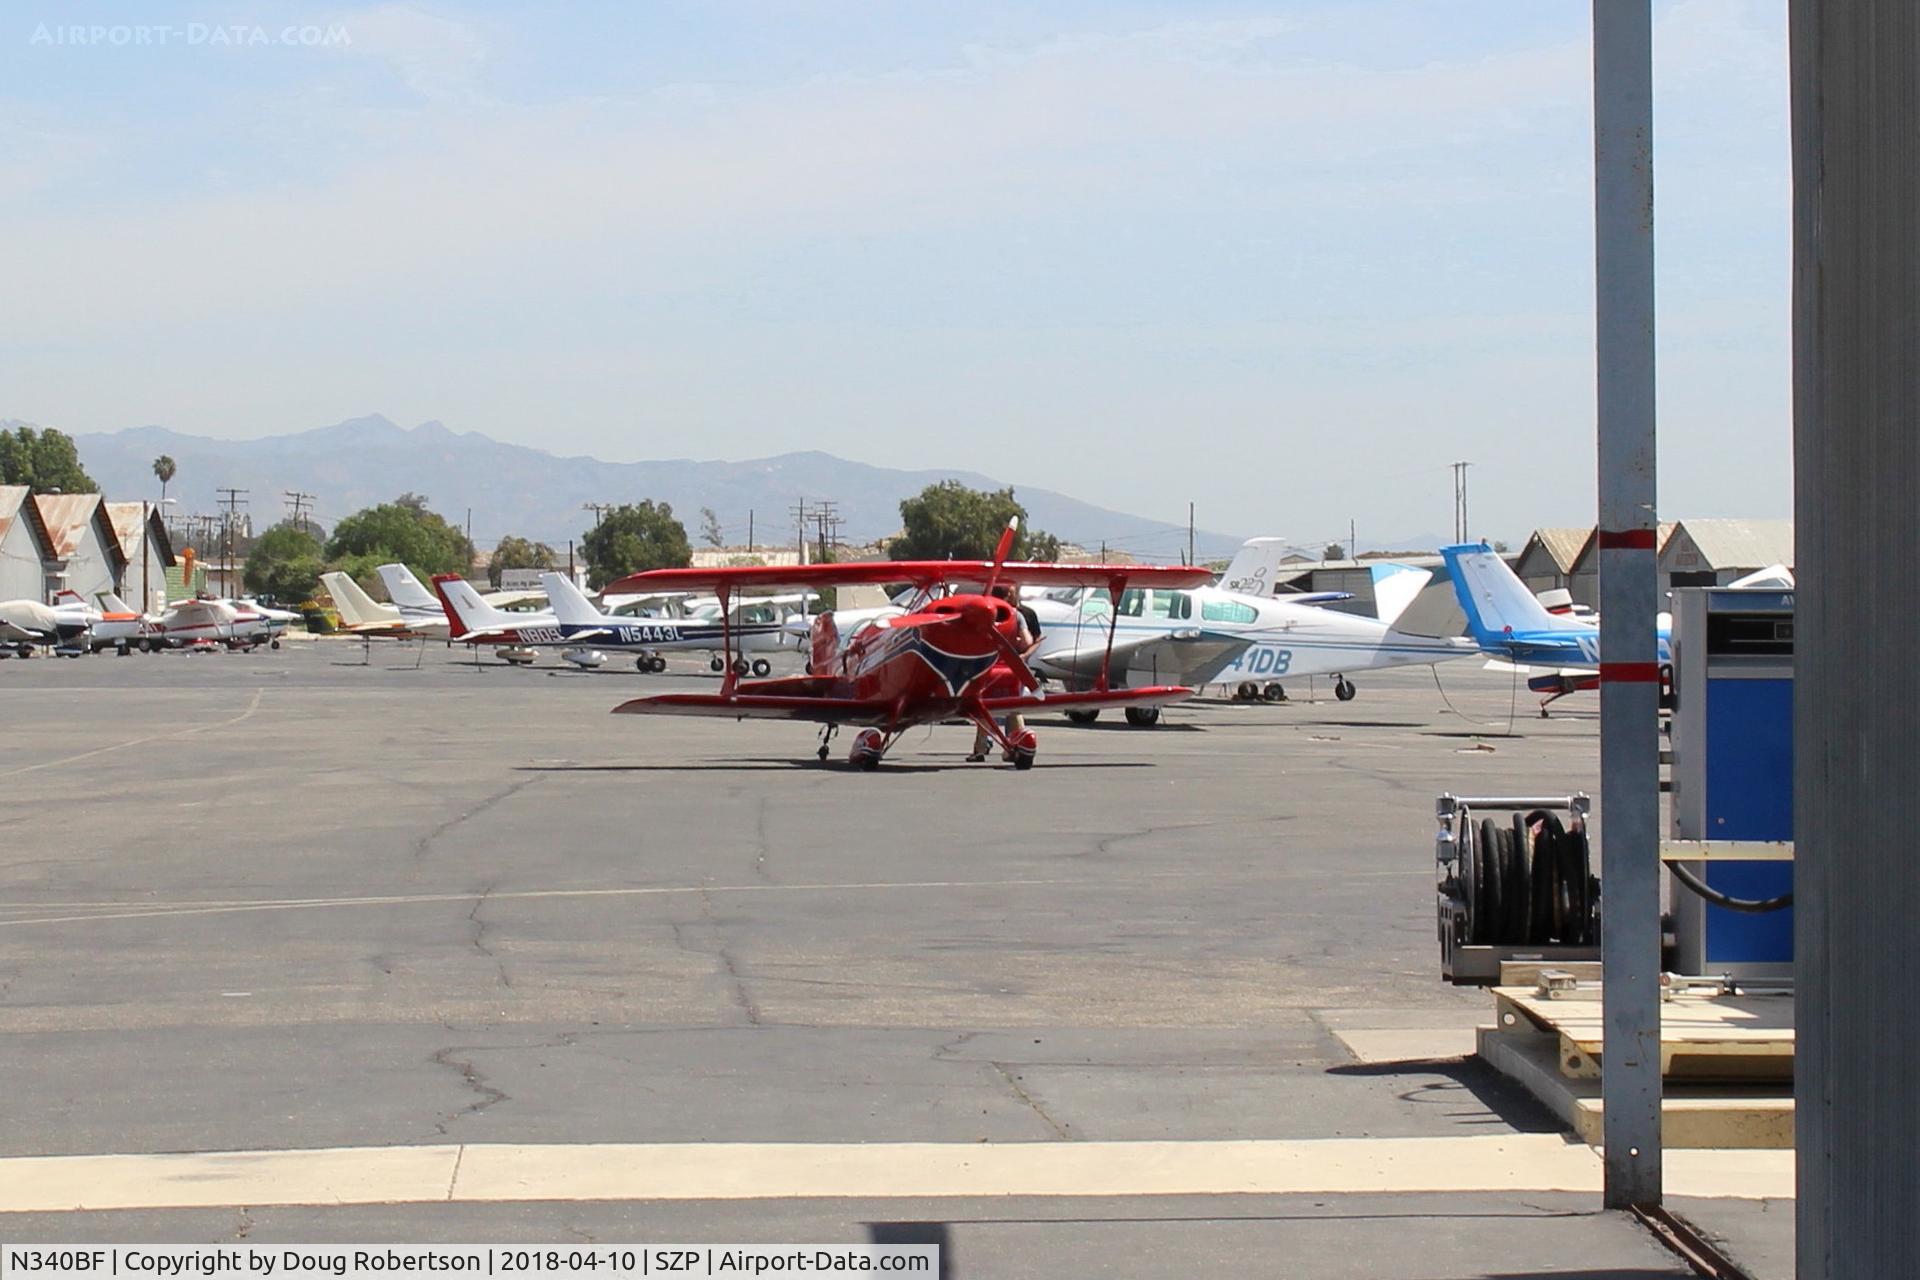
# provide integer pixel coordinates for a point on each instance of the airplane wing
(760, 706)
(1192, 655)
(921, 572)
(1155, 695)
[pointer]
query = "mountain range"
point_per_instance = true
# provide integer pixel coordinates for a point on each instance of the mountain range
(514, 489)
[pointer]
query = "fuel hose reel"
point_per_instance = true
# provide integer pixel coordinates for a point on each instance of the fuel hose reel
(1515, 881)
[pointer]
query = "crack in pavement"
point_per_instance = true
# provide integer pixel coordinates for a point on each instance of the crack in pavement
(1013, 1083)
(472, 1078)
(719, 951)
(480, 933)
(427, 841)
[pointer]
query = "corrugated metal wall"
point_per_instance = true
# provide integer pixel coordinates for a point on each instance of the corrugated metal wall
(1856, 151)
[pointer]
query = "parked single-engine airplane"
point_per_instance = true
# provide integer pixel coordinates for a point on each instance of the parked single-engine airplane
(199, 622)
(362, 615)
(949, 656)
(1508, 621)
(64, 628)
(755, 629)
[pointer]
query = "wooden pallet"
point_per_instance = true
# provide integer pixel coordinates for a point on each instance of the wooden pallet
(1702, 1036)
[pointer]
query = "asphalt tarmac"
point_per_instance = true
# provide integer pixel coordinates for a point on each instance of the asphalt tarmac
(320, 898)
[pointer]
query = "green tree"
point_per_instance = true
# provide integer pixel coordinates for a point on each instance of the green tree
(404, 531)
(632, 538)
(949, 521)
(1333, 551)
(285, 562)
(164, 468)
(710, 528)
(43, 461)
(518, 553)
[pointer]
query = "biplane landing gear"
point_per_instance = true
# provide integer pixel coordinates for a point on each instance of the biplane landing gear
(1143, 717)
(826, 736)
(1025, 745)
(1343, 689)
(868, 746)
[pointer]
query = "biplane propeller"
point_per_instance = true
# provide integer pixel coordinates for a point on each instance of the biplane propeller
(950, 656)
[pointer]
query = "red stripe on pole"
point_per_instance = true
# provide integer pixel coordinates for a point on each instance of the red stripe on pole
(1626, 539)
(1629, 673)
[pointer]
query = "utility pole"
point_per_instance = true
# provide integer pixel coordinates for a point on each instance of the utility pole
(1629, 596)
(1353, 541)
(1190, 556)
(1460, 501)
(749, 530)
(297, 506)
(232, 499)
(599, 510)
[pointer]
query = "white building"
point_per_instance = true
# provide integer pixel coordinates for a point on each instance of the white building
(83, 553)
(146, 552)
(23, 546)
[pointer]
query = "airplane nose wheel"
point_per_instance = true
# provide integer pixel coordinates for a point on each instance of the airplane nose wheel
(1343, 689)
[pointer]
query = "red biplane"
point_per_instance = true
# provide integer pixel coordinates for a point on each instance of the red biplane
(949, 656)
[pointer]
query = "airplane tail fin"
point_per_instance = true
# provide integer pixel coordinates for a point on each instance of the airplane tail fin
(357, 608)
(466, 611)
(569, 605)
(112, 603)
(1394, 588)
(1254, 567)
(404, 589)
(1494, 599)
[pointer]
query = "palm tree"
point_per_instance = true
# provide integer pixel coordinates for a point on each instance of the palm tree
(164, 468)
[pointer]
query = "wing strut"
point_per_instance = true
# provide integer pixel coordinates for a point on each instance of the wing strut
(1116, 585)
(729, 677)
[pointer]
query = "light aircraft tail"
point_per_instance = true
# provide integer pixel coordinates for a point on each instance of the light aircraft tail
(569, 605)
(111, 603)
(1394, 588)
(357, 608)
(404, 589)
(1496, 602)
(466, 611)
(1255, 567)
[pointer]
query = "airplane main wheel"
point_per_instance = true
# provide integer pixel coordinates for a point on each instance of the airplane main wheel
(741, 666)
(1143, 717)
(643, 663)
(1247, 691)
(1343, 689)
(274, 645)
(1023, 760)
(1274, 693)
(656, 664)
(822, 752)
(762, 667)
(1084, 715)
(717, 665)
(867, 748)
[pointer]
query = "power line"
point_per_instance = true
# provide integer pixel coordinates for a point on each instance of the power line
(298, 504)
(232, 499)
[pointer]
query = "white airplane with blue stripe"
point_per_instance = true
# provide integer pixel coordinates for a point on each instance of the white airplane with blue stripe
(1508, 621)
(1212, 635)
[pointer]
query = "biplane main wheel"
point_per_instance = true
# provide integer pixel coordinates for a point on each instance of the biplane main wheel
(822, 752)
(1084, 715)
(867, 746)
(1143, 717)
(1023, 759)
(1274, 693)
(1343, 689)
(716, 665)
(762, 667)
(1025, 745)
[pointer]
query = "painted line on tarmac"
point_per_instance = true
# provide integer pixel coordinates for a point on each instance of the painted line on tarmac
(89, 912)
(252, 707)
(506, 1173)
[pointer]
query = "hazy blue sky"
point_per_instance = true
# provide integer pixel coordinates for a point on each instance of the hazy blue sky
(1288, 260)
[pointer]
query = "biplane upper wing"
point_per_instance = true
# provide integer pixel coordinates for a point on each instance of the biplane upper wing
(761, 706)
(920, 572)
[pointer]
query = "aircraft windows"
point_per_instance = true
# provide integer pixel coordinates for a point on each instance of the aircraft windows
(1162, 601)
(1179, 604)
(1132, 603)
(757, 613)
(1227, 611)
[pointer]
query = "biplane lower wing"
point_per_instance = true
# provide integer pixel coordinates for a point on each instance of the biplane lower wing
(1155, 695)
(760, 706)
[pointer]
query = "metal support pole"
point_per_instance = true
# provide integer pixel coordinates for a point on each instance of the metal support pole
(1629, 671)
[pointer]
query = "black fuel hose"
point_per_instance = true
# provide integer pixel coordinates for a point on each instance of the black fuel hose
(1753, 906)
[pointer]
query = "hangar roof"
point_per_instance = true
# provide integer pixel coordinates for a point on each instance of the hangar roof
(14, 505)
(65, 517)
(124, 519)
(1741, 544)
(1564, 545)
